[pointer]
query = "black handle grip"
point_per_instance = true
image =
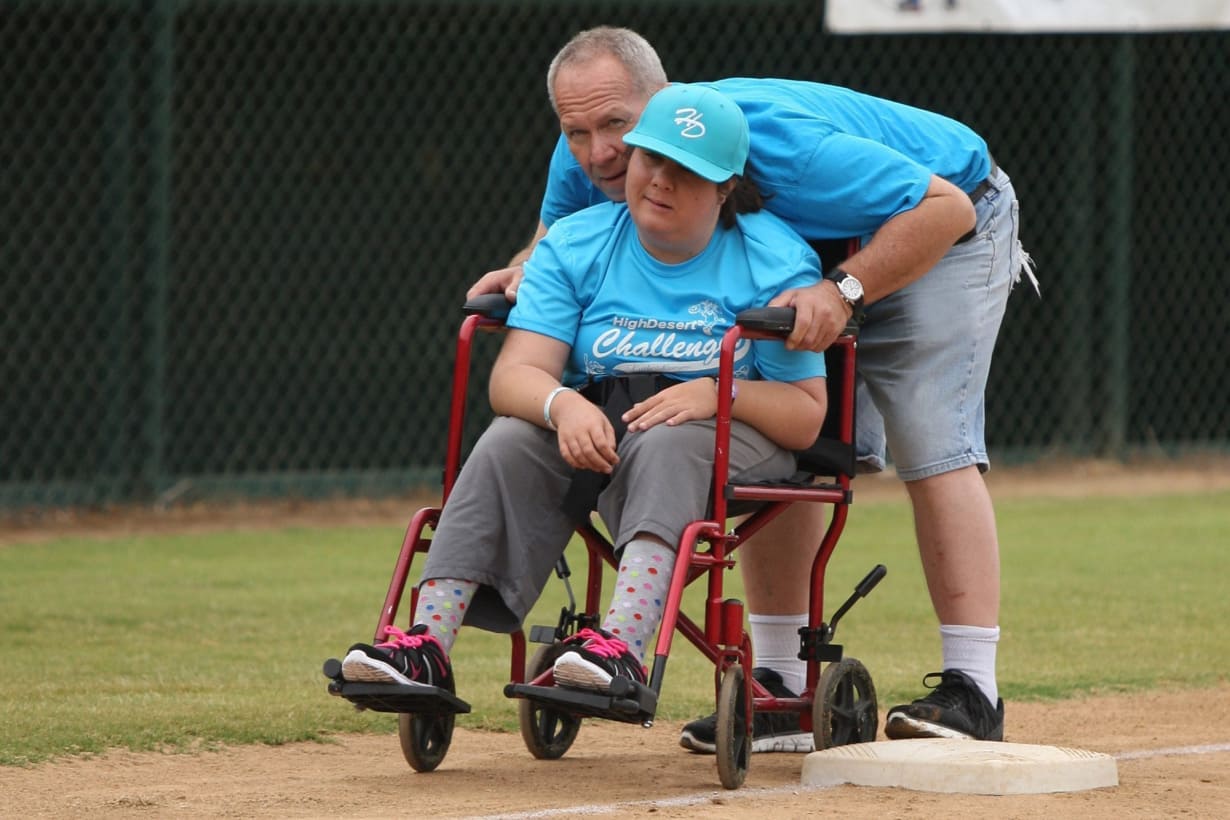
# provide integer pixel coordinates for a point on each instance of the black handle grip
(779, 320)
(490, 305)
(874, 577)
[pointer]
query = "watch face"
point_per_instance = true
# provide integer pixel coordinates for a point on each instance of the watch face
(851, 289)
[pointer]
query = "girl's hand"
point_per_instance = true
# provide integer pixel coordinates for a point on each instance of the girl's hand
(687, 401)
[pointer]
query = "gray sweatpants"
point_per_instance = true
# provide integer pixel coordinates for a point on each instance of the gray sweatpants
(503, 527)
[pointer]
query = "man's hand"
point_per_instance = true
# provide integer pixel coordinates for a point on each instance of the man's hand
(686, 401)
(820, 315)
(505, 280)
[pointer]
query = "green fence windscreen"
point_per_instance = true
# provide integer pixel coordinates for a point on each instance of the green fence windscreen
(234, 236)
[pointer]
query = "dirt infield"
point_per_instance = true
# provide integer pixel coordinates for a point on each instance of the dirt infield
(1173, 747)
(1173, 751)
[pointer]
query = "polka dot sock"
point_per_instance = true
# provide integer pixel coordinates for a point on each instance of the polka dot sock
(640, 593)
(442, 606)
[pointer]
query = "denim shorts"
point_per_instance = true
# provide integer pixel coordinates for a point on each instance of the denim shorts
(924, 352)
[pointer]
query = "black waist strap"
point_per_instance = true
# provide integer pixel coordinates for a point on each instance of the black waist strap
(615, 397)
(976, 195)
(980, 190)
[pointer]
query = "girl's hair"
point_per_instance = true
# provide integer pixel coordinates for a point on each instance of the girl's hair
(746, 198)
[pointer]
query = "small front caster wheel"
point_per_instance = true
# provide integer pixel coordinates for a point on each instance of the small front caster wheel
(734, 737)
(844, 710)
(547, 733)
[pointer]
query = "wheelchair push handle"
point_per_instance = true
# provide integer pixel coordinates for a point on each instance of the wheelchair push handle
(764, 319)
(488, 305)
(778, 321)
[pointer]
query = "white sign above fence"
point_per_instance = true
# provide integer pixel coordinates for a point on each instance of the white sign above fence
(879, 16)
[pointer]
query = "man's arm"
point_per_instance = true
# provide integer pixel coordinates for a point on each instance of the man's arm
(912, 243)
(901, 251)
(507, 279)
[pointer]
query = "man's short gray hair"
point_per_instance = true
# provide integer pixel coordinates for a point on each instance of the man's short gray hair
(625, 45)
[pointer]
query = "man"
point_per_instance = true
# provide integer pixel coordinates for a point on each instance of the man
(930, 285)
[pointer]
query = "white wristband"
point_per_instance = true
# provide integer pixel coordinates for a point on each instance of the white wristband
(546, 405)
(734, 389)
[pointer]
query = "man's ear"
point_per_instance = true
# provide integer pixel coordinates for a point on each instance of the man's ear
(725, 188)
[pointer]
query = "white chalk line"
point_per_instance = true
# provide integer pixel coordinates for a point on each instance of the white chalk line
(742, 794)
(663, 803)
(1206, 749)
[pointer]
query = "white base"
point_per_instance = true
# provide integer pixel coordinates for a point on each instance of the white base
(961, 767)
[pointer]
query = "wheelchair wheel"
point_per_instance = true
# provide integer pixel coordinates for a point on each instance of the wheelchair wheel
(547, 733)
(425, 739)
(844, 710)
(734, 742)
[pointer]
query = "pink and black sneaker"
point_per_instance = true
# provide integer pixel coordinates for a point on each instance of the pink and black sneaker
(411, 658)
(594, 658)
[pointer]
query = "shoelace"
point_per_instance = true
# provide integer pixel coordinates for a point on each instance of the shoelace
(949, 692)
(412, 640)
(599, 644)
(405, 640)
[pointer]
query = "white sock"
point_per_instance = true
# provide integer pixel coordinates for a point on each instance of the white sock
(971, 649)
(776, 643)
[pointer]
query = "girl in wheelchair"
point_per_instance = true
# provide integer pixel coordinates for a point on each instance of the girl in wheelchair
(625, 303)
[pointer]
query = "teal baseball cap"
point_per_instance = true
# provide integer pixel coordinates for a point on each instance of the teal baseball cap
(697, 127)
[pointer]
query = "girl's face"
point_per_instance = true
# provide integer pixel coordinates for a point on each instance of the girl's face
(675, 210)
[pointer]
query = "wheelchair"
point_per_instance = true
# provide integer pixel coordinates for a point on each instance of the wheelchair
(839, 703)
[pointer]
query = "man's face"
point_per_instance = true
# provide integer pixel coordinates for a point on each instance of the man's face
(597, 105)
(675, 210)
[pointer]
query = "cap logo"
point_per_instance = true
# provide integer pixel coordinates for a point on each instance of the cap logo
(693, 128)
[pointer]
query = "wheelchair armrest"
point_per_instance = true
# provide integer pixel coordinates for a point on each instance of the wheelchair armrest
(488, 305)
(777, 321)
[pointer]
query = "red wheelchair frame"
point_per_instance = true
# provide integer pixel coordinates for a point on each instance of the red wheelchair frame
(838, 704)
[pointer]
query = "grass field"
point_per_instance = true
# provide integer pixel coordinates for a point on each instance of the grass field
(185, 641)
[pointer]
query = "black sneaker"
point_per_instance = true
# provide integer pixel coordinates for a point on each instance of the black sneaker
(411, 658)
(956, 708)
(593, 661)
(771, 731)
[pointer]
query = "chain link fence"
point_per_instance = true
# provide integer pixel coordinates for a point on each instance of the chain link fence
(235, 234)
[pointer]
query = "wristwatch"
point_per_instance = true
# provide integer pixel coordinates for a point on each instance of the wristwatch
(851, 291)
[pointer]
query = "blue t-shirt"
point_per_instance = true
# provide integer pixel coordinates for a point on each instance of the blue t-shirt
(833, 163)
(590, 283)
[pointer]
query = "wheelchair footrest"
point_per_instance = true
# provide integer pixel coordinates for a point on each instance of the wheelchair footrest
(399, 698)
(627, 701)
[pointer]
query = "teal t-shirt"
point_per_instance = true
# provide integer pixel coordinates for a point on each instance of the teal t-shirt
(832, 162)
(590, 283)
